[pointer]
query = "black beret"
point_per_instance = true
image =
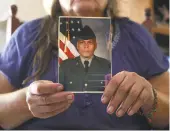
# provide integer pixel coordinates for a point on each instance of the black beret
(86, 33)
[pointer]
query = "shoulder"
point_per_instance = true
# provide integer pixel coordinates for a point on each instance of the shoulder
(28, 30)
(68, 62)
(20, 43)
(136, 39)
(136, 32)
(28, 27)
(138, 47)
(23, 37)
(102, 60)
(127, 24)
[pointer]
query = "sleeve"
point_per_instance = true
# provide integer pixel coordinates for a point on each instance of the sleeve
(151, 58)
(14, 58)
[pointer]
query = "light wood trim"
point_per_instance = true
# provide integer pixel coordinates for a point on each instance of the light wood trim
(161, 29)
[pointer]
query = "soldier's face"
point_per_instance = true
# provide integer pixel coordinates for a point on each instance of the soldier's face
(83, 7)
(86, 48)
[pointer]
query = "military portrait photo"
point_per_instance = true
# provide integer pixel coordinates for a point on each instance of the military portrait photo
(84, 59)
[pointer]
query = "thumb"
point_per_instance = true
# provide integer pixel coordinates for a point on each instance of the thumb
(39, 88)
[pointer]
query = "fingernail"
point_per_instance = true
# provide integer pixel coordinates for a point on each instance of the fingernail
(70, 97)
(131, 113)
(110, 110)
(104, 99)
(120, 113)
(70, 101)
(59, 87)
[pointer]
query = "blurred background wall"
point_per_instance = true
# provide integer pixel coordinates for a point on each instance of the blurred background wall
(134, 9)
(27, 10)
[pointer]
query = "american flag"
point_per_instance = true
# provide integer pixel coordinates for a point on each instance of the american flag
(68, 30)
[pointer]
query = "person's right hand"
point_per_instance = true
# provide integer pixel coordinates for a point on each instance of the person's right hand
(46, 99)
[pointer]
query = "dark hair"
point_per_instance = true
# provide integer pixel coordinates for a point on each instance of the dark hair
(46, 44)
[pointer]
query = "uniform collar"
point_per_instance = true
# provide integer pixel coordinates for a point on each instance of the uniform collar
(79, 59)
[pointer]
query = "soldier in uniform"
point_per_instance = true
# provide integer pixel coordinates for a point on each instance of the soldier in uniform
(86, 72)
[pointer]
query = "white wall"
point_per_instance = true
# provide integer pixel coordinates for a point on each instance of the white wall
(30, 9)
(2, 34)
(27, 10)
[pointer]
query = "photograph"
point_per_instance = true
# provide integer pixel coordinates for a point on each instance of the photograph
(84, 55)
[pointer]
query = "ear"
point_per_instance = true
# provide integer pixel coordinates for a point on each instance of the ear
(77, 45)
(95, 41)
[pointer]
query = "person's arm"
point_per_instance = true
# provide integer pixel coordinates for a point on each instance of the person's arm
(14, 64)
(13, 108)
(154, 64)
(161, 85)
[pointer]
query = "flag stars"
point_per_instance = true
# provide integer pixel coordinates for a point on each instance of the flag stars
(79, 29)
(74, 37)
(73, 29)
(72, 22)
(78, 22)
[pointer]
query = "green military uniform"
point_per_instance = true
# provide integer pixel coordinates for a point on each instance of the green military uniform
(74, 78)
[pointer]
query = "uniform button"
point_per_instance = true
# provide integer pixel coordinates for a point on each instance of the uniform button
(85, 84)
(71, 82)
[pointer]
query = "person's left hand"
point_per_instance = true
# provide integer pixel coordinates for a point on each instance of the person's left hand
(127, 92)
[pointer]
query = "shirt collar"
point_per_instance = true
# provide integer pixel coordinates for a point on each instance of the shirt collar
(84, 59)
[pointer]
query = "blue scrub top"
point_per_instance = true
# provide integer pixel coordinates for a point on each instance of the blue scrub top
(134, 50)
